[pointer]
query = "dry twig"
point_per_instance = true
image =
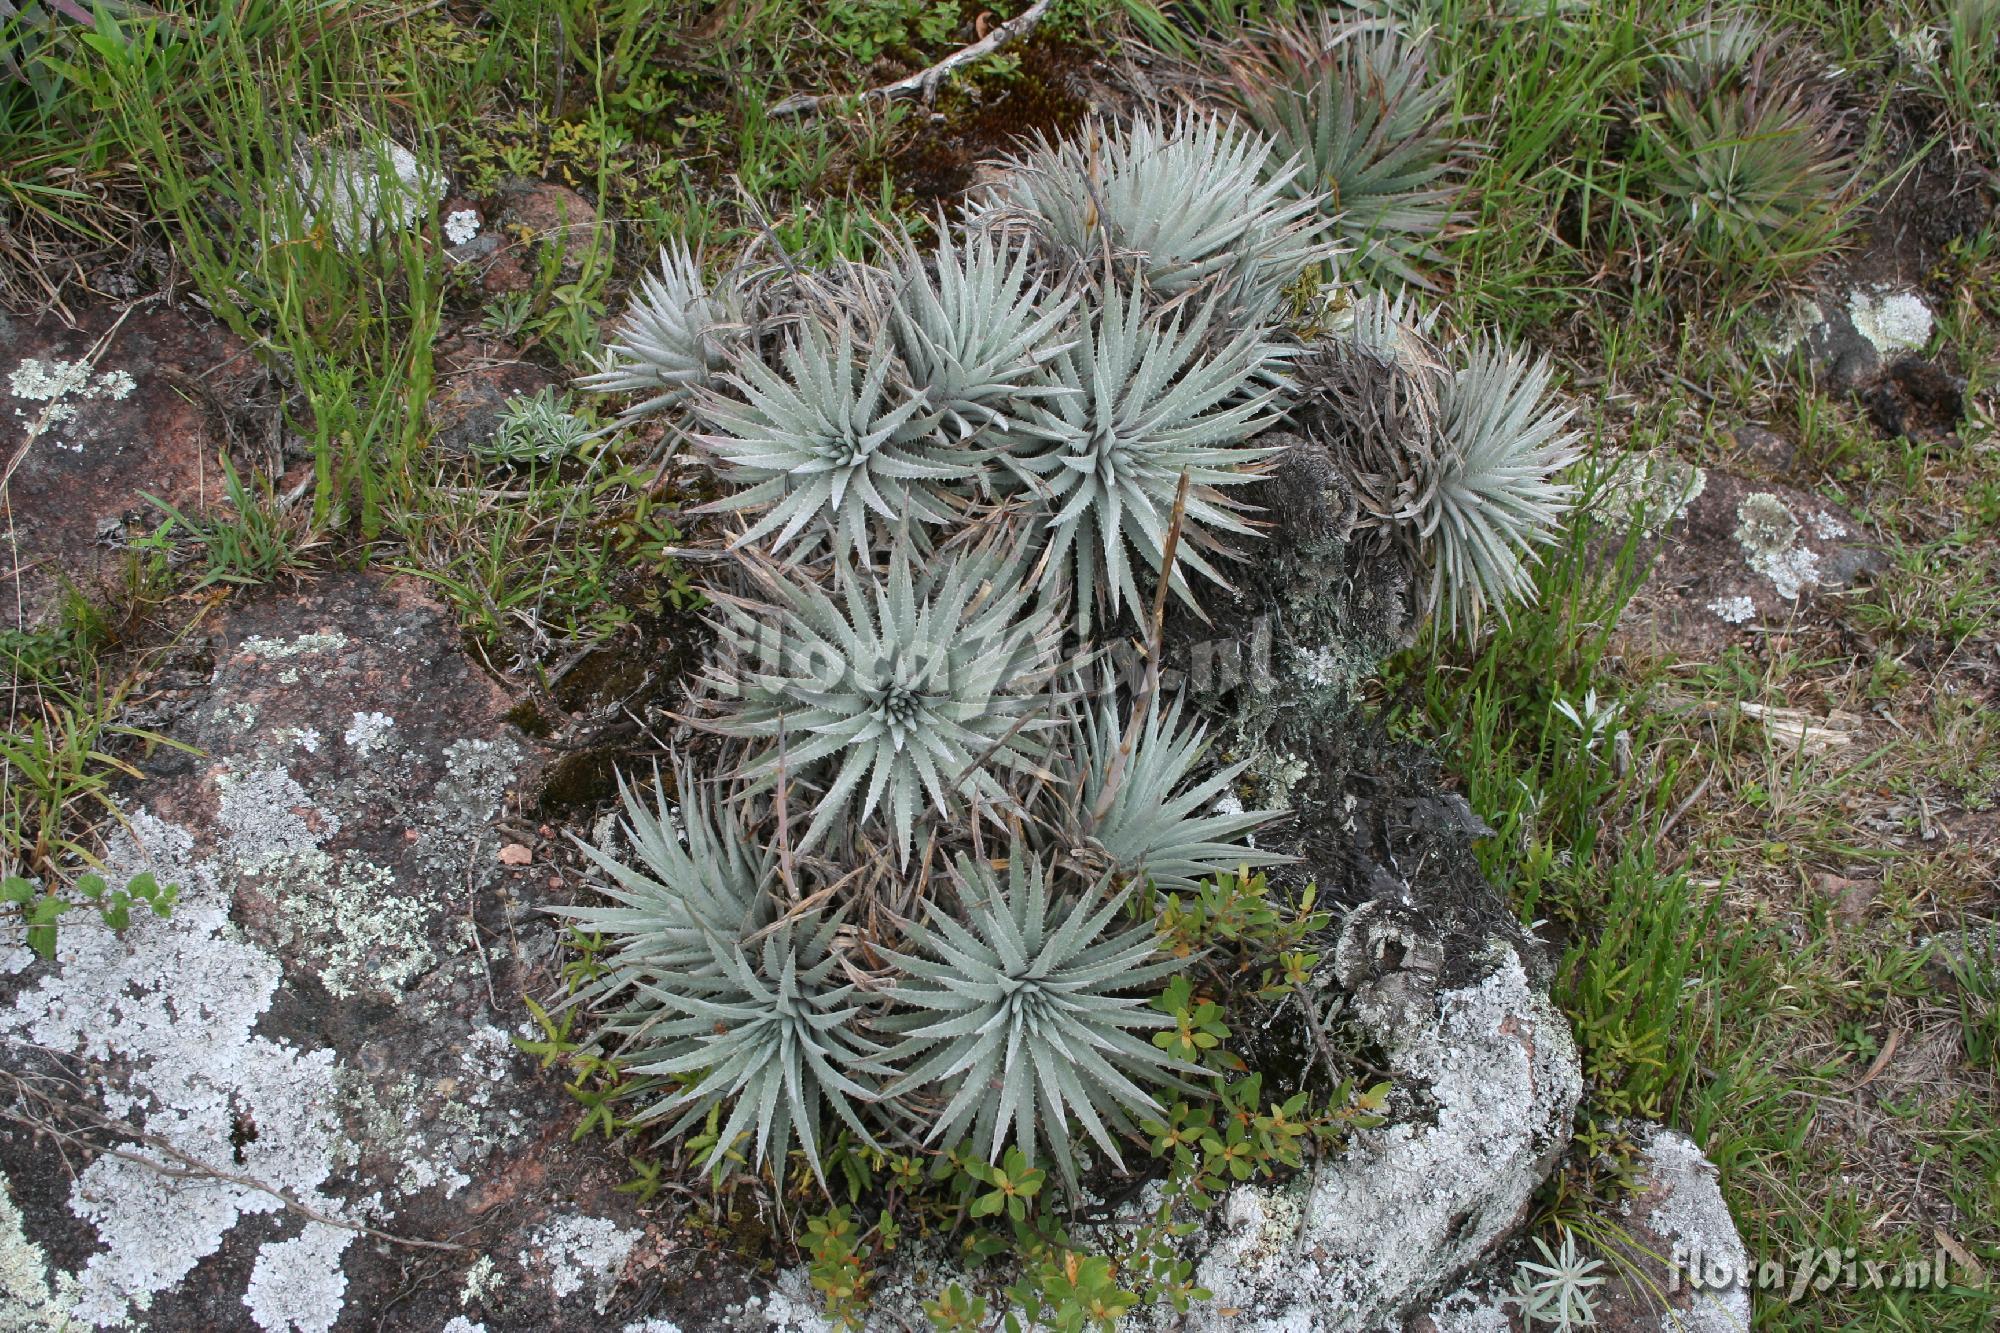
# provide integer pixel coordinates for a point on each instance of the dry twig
(924, 82)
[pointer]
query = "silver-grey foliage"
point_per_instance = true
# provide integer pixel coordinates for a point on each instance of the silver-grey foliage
(1494, 496)
(1023, 1016)
(1146, 398)
(764, 1027)
(895, 903)
(836, 441)
(1140, 808)
(707, 877)
(537, 427)
(916, 689)
(1192, 205)
(672, 340)
(1454, 454)
(704, 989)
(1355, 105)
(1712, 51)
(974, 328)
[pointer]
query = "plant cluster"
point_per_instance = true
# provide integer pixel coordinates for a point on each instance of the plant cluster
(912, 898)
(40, 911)
(1742, 152)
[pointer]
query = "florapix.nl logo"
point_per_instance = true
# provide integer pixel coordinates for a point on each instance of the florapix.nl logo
(1801, 1274)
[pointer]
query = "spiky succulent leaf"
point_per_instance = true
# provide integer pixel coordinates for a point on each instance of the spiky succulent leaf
(1713, 50)
(1753, 172)
(765, 1029)
(708, 879)
(671, 340)
(1494, 495)
(1158, 823)
(1192, 204)
(903, 691)
(1145, 398)
(830, 443)
(1022, 1016)
(974, 326)
(1354, 104)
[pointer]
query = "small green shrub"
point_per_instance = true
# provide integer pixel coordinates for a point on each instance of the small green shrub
(41, 911)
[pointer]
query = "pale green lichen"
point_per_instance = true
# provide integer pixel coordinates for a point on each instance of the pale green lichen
(1274, 775)
(482, 1281)
(174, 1005)
(330, 641)
(30, 1302)
(361, 931)
(358, 926)
(1735, 610)
(1797, 323)
(1764, 524)
(1769, 535)
(1890, 320)
(1651, 491)
(62, 385)
(370, 732)
(296, 1285)
(582, 1251)
(438, 1129)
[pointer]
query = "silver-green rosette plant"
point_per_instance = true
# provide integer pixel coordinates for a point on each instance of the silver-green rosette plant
(1454, 453)
(1354, 107)
(697, 876)
(1188, 206)
(918, 689)
(765, 1030)
(1141, 811)
(708, 992)
(1493, 496)
(975, 327)
(906, 892)
(1146, 399)
(835, 443)
(672, 339)
(1023, 1016)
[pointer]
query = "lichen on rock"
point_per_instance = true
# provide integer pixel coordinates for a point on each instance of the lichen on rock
(579, 1252)
(172, 1006)
(1769, 536)
(366, 191)
(35, 1296)
(1359, 1238)
(323, 1015)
